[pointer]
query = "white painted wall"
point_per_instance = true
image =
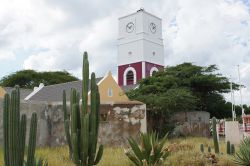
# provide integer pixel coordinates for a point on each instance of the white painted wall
(232, 132)
(141, 41)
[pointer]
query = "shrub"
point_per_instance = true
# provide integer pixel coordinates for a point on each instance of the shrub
(242, 157)
(149, 151)
(186, 158)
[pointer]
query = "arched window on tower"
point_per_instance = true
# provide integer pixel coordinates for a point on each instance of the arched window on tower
(154, 72)
(130, 78)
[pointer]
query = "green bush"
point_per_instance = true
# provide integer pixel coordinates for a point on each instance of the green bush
(149, 151)
(242, 157)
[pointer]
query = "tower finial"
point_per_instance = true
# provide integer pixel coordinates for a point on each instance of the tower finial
(141, 9)
(142, 6)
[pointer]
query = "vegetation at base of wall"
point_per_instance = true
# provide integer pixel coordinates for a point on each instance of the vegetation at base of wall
(81, 127)
(14, 134)
(209, 149)
(149, 150)
(228, 147)
(242, 157)
(202, 148)
(184, 150)
(31, 78)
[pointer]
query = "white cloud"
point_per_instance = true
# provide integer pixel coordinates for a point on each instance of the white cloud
(54, 34)
(6, 55)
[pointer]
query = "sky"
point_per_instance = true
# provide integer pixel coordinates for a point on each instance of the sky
(49, 35)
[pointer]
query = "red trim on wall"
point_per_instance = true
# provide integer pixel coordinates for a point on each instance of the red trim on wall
(121, 69)
(138, 68)
(149, 66)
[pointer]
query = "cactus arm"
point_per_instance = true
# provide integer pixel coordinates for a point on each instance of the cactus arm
(228, 148)
(78, 112)
(65, 114)
(74, 119)
(32, 141)
(17, 127)
(74, 133)
(66, 123)
(93, 124)
(12, 124)
(22, 137)
(209, 149)
(85, 83)
(215, 136)
(202, 148)
(85, 138)
(6, 128)
(99, 155)
(97, 109)
(75, 149)
(232, 149)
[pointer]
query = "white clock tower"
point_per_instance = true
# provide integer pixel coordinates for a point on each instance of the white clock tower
(140, 47)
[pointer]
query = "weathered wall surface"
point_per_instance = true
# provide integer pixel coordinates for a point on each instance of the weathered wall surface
(121, 123)
(118, 122)
(232, 132)
(195, 123)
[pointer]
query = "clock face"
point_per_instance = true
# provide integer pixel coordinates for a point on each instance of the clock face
(130, 27)
(152, 27)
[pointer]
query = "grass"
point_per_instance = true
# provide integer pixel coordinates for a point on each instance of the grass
(184, 152)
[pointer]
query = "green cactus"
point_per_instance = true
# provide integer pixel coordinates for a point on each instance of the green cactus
(15, 132)
(82, 128)
(228, 148)
(32, 141)
(209, 149)
(202, 148)
(232, 149)
(215, 136)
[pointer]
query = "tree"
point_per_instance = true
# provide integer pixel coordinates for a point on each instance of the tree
(185, 87)
(30, 78)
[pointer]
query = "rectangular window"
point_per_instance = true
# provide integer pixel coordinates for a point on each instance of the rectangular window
(110, 92)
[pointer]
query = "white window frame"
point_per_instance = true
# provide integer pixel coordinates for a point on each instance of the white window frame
(125, 75)
(152, 70)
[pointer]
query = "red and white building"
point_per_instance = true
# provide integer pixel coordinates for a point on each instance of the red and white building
(140, 47)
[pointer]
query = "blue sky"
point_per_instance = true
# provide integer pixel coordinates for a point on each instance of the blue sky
(52, 34)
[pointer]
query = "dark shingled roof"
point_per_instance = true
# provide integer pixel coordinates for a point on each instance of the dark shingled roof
(23, 92)
(127, 88)
(53, 93)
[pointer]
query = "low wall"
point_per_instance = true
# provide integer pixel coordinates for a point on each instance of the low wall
(118, 122)
(232, 132)
(195, 123)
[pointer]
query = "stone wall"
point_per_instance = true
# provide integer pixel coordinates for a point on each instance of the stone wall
(195, 123)
(118, 122)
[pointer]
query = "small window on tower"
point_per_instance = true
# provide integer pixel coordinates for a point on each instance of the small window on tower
(153, 53)
(130, 78)
(130, 53)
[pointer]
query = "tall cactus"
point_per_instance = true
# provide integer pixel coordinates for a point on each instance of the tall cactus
(215, 136)
(15, 132)
(228, 148)
(81, 127)
(202, 148)
(232, 149)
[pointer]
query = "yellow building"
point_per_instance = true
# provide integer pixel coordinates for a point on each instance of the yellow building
(2, 92)
(110, 91)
